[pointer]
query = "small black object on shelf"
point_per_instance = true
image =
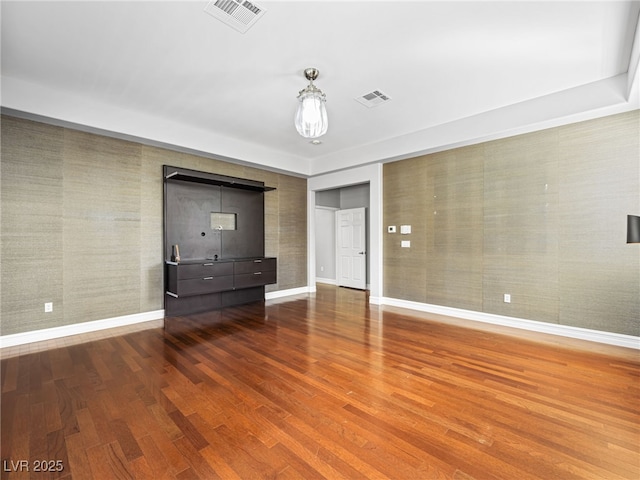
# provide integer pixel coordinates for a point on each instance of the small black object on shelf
(633, 229)
(175, 254)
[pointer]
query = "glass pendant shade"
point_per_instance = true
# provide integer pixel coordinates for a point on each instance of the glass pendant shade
(311, 117)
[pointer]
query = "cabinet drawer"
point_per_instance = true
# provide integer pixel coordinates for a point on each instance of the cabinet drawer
(257, 265)
(199, 286)
(254, 279)
(204, 269)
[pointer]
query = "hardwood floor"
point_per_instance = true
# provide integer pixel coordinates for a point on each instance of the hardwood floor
(322, 386)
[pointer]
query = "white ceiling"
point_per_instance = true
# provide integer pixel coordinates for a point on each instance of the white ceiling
(456, 72)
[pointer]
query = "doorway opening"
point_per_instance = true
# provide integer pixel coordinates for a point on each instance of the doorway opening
(342, 236)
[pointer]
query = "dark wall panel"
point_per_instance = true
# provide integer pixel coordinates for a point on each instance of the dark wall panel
(248, 239)
(188, 219)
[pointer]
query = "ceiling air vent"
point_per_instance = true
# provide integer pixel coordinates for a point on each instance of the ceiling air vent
(373, 99)
(238, 14)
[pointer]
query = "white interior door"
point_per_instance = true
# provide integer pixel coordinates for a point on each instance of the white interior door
(351, 235)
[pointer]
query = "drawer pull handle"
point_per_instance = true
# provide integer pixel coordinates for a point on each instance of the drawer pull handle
(208, 278)
(257, 273)
(207, 264)
(257, 261)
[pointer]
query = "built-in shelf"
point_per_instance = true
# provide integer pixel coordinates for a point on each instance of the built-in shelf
(184, 174)
(217, 222)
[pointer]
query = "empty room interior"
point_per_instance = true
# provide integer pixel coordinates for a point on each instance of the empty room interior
(320, 239)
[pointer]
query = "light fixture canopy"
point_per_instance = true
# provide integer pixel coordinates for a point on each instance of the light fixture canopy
(311, 117)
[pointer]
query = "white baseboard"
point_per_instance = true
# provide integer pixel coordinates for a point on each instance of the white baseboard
(375, 300)
(288, 292)
(78, 328)
(328, 281)
(618, 339)
(44, 334)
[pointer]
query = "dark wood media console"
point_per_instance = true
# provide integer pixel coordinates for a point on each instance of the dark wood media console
(218, 224)
(200, 285)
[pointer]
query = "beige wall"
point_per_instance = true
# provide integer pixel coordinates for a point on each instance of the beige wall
(540, 216)
(82, 225)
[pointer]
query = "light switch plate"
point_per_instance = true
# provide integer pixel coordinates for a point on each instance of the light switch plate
(391, 229)
(405, 229)
(405, 243)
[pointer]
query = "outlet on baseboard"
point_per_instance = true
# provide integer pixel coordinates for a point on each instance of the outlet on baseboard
(48, 307)
(507, 298)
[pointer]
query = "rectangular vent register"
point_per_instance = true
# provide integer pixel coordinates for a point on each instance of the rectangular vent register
(240, 15)
(373, 99)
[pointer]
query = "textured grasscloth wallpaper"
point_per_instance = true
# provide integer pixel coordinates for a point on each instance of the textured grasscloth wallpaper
(82, 225)
(540, 216)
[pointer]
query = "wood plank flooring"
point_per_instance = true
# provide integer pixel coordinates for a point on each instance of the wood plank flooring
(321, 386)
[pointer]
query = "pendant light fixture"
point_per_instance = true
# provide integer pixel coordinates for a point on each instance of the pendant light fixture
(311, 118)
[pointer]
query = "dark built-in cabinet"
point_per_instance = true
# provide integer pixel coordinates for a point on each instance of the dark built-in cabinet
(217, 224)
